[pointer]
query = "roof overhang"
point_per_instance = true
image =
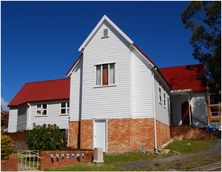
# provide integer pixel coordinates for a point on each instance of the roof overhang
(105, 18)
(182, 92)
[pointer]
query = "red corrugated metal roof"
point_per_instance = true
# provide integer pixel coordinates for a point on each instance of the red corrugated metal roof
(42, 91)
(185, 77)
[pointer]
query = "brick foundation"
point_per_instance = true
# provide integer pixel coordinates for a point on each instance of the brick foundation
(11, 164)
(74, 134)
(47, 162)
(124, 135)
(162, 132)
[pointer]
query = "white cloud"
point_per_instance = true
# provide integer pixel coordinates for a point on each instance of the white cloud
(4, 105)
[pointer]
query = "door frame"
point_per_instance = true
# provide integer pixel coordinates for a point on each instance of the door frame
(106, 131)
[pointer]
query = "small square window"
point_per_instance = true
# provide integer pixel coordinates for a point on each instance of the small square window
(64, 108)
(41, 109)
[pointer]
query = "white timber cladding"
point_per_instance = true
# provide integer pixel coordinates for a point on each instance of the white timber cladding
(198, 108)
(53, 116)
(76, 91)
(141, 87)
(106, 101)
(162, 112)
(13, 116)
(22, 118)
(177, 101)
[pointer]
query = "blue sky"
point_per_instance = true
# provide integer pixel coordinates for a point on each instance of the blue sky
(40, 40)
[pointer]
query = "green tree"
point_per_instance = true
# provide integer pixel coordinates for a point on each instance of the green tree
(204, 20)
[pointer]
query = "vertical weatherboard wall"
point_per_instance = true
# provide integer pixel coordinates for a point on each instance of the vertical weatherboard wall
(13, 116)
(106, 101)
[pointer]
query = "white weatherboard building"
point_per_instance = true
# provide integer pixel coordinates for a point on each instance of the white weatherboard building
(117, 99)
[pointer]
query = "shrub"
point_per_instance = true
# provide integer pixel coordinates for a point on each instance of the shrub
(45, 137)
(7, 146)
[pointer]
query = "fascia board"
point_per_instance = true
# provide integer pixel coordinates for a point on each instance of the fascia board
(98, 26)
(72, 68)
(143, 56)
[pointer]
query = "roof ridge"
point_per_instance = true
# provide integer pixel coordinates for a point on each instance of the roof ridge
(182, 66)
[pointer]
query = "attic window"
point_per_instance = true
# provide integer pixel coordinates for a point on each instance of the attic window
(105, 32)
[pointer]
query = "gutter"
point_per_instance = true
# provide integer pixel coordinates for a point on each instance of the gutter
(29, 115)
(154, 110)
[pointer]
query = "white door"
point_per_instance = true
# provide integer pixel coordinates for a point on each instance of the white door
(100, 134)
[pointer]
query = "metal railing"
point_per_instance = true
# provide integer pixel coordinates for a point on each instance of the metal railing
(215, 124)
(28, 160)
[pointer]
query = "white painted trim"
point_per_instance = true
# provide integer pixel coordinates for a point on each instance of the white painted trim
(115, 71)
(143, 56)
(106, 132)
(71, 71)
(154, 109)
(104, 18)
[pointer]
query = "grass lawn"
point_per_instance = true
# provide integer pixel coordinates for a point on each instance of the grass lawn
(183, 146)
(189, 146)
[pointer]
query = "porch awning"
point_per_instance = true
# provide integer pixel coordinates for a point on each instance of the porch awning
(185, 91)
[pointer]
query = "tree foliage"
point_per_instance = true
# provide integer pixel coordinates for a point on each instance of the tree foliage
(204, 20)
(45, 137)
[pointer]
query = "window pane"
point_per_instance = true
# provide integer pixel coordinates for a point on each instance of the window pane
(38, 112)
(44, 112)
(63, 111)
(112, 73)
(44, 106)
(63, 104)
(98, 75)
(38, 106)
(105, 74)
(67, 104)
(67, 110)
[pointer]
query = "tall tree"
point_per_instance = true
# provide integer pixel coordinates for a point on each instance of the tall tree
(204, 20)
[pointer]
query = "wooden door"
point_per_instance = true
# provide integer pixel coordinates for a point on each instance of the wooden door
(185, 113)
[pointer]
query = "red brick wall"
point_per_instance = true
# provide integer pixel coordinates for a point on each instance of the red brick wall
(86, 136)
(73, 134)
(124, 135)
(46, 161)
(142, 134)
(11, 164)
(162, 132)
(118, 135)
(18, 136)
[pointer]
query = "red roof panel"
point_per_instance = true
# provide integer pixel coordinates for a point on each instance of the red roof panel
(185, 77)
(42, 91)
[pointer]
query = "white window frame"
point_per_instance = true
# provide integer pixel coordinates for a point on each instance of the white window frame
(41, 109)
(66, 108)
(160, 92)
(101, 74)
(164, 98)
(168, 102)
